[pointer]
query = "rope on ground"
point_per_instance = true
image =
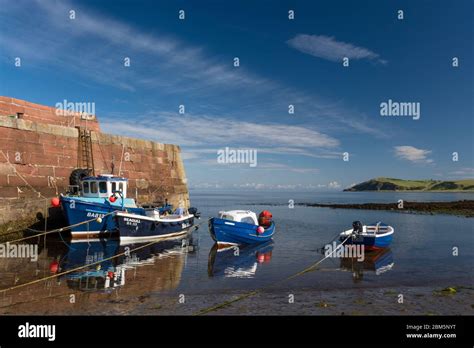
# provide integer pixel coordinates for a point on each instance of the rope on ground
(62, 229)
(252, 293)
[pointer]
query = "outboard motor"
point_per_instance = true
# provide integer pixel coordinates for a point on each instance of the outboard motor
(357, 227)
(195, 212)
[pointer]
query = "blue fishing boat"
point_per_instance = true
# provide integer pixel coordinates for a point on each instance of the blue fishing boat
(94, 199)
(372, 237)
(236, 227)
(154, 224)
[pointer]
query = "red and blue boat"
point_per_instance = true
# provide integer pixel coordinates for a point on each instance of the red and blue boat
(372, 237)
(237, 227)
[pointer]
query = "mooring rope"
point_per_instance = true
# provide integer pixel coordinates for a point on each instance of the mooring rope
(195, 227)
(84, 266)
(255, 292)
(62, 229)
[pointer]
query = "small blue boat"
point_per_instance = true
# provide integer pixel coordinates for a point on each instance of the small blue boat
(374, 236)
(236, 227)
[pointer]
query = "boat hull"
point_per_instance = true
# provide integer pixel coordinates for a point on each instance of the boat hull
(371, 242)
(136, 227)
(77, 211)
(235, 233)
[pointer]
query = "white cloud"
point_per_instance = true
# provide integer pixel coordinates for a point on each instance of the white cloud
(466, 172)
(334, 185)
(413, 154)
(327, 47)
(93, 45)
(203, 130)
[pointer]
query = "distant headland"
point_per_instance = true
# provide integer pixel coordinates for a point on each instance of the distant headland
(391, 184)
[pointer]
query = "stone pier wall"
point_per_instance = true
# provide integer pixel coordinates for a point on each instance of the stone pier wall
(37, 156)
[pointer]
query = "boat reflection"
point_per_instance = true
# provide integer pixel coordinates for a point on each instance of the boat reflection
(379, 262)
(238, 262)
(112, 261)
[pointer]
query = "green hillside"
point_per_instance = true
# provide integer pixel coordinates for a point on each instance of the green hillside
(391, 184)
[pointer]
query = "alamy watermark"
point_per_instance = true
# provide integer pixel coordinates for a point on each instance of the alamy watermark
(237, 156)
(67, 108)
(348, 250)
(394, 108)
(26, 251)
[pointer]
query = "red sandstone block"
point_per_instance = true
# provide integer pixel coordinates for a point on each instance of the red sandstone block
(62, 172)
(44, 159)
(18, 101)
(3, 180)
(5, 109)
(15, 180)
(46, 171)
(6, 99)
(17, 109)
(8, 192)
(26, 169)
(37, 181)
(47, 139)
(67, 161)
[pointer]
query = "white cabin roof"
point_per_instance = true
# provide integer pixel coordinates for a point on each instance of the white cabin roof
(239, 215)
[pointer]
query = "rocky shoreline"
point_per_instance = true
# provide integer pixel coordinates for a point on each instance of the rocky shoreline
(460, 208)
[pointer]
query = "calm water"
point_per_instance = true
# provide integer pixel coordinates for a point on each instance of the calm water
(421, 253)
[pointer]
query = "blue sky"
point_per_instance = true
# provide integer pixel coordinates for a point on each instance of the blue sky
(282, 62)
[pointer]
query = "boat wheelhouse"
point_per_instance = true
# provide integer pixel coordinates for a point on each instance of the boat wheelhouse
(93, 200)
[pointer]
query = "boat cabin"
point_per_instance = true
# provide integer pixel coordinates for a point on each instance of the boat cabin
(103, 186)
(244, 216)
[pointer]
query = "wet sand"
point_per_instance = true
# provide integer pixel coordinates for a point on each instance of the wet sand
(307, 301)
(459, 208)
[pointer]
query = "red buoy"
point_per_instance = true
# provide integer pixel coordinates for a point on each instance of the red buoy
(112, 198)
(260, 229)
(110, 275)
(55, 202)
(54, 266)
(260, 257)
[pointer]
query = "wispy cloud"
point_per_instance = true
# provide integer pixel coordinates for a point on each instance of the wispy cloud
(204, 130)
(413, 154)
(327, 47)
(94, 45)
(466, 172)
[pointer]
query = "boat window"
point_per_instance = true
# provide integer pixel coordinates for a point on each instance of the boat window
(86, 187)
(114, 187)
(93, 187)
(228, 217)
(102, 187)
(121, 186)
(248, 220)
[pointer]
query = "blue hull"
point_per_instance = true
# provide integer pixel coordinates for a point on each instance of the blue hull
(136, 227)
(231, 232)
(371, 242)
(83, 210)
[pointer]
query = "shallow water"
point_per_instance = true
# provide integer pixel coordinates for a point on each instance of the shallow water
(421, 253)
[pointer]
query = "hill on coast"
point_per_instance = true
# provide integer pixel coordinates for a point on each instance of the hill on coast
(391, 184)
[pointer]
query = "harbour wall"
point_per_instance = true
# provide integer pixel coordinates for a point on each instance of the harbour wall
(39, 150)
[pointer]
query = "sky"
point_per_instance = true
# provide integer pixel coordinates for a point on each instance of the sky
(336, 136)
